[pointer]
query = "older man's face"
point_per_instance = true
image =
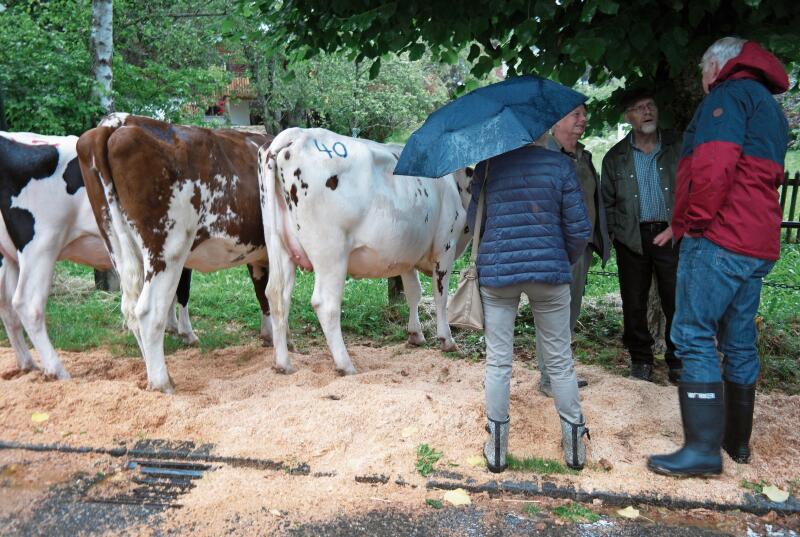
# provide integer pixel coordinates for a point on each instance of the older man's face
(643, 115)
(710, 72)
(573, 124)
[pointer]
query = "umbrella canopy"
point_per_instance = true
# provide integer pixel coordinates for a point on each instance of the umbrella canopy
(484, 123)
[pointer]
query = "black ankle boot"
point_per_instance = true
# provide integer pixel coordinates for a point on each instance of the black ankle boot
(702, 411)
(740, 402)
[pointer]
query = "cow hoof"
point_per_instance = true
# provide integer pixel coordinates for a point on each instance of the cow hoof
(416, 339)
(58, 373)
(266, 342)
(166, 388)
(346, 371)
(288, 370)
(15, 372)
(447, 345)
(190, 339)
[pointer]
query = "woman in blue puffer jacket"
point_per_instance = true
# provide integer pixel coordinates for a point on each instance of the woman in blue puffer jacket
(535, 225)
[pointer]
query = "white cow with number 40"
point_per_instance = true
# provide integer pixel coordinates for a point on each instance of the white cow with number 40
(331, 204)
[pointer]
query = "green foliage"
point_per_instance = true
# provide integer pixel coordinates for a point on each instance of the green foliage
(793, 162)
(167, 56)
(657, 42)
(538, 466)
(46, 70)
(532, 510)
(426, 458)
(757, 487)
(576, 513)
(436, 504)
(161, 63)
(346, 97)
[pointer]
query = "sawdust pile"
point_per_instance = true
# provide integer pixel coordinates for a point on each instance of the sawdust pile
(365, 425)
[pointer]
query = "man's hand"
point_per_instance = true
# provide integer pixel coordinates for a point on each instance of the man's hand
(664, 237)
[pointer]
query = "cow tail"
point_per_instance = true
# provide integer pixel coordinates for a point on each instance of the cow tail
(92, 151)
(267, 188)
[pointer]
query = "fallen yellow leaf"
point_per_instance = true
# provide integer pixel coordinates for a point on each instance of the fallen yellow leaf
(629, 512)
(476, 461)
(457, 497)
(275, 512)
(775, 494)
(40, 417)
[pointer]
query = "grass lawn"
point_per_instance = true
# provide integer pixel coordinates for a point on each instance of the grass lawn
(225, 312)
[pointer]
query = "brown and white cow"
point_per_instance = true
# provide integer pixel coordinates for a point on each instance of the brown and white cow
(331, 204)
(46, 217)
(168, 196)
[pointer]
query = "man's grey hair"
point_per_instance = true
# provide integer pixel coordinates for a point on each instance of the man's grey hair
(722, 50)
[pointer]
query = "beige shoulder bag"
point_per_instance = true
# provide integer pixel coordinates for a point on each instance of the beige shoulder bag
(465, 309)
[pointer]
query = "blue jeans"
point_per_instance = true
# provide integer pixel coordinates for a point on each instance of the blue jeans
(717, 299)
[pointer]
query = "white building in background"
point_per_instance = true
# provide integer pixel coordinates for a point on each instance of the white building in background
(233, 103)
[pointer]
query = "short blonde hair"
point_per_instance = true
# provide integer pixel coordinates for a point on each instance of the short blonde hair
(722, 50)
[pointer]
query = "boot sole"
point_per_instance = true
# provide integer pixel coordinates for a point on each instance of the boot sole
(736, 457)
(495, 469)
(665, 471)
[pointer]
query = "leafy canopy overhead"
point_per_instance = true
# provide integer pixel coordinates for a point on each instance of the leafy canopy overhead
(650, 42)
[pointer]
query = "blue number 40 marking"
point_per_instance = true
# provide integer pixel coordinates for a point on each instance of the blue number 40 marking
(339, 149)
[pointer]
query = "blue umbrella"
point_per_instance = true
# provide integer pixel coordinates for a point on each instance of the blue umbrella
(484, 123)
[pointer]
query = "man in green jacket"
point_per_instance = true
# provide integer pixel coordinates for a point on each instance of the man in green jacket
(563, 138)
(638, 184)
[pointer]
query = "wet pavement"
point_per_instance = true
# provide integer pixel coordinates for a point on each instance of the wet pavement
(481, 522)
(92, 502)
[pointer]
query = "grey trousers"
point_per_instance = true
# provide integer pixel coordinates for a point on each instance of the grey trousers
(580, 271)
(550, 306)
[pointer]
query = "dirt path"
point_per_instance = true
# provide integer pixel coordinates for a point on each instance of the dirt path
(367, 424)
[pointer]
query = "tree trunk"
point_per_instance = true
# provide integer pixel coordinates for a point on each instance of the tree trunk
(264, 89)
(677, 110)
(101, 46)
(685, 93)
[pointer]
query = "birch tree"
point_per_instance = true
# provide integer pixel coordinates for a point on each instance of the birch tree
(101, 46)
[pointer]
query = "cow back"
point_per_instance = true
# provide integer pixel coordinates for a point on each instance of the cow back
(157, 171)
(26, 158)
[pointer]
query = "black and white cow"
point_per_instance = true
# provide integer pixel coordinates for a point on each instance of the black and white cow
(47, 217)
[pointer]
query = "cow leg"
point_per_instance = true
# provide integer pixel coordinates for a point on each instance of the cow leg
(327, 302)
(279, 294)
(30, 301)
(441, 283)
(413, 293)
(172, 318)
(9, 274)
(182, 324)
(259, 275)
(151, 315)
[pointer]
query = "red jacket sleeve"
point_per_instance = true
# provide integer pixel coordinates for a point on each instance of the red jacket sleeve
(719, 136)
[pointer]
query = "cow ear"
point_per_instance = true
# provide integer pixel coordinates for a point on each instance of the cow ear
(469, 170)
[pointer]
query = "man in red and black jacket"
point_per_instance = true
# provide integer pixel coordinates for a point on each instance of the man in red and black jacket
(728, 220)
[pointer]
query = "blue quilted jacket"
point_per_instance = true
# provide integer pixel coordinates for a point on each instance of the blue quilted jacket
(535, 223)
